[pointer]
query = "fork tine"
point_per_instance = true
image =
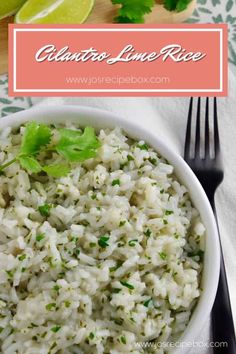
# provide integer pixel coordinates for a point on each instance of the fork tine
(216, 130)
(198, 139)
(188, 131)
(207, 130)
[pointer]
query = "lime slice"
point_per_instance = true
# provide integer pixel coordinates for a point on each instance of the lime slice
(54, 11)
(9, 7)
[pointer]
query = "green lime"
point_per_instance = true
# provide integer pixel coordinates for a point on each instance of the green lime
(9, 7)
(54, 11)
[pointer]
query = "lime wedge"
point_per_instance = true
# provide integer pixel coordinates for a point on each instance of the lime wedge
(54, 11)
(9, 7)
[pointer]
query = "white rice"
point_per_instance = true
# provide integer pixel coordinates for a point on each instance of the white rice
(63, 293)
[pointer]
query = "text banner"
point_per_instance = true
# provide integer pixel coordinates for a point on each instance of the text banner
(114, 60)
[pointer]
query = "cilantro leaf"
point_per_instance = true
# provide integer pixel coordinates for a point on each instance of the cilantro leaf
(75, 146)
(45, 209)
(57, 170)
(126, 284)
(133, 11)
(30, 164)
(40, 237)
(146, 303)
(176, 5)
(102, 242)
(35, 136)
(55, 329)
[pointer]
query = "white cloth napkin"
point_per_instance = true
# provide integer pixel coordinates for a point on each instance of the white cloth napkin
(167, 117)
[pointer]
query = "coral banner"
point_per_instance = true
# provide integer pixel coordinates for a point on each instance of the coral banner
(114, 60)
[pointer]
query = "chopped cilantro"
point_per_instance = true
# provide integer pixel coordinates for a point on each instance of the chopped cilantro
(122, 223)
(45, 209)
(9, 273)
(133, 11)
(168, 212)
(132, 243)
(163, 255)
(56, 287)
(143, 146)
(51, 306)
(126, 284)
(22, 257)
(147, 302)
(40, 237)
(115, 182)
(102, 242)
(91, 335)
(123, 339)
(130, 158)
(198, 253)
(148, 233)
(119, 321)
(55, 329)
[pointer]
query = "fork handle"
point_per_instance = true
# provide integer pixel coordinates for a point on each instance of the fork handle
(222, 319)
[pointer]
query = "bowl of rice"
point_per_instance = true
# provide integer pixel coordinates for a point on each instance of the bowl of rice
(117, 255)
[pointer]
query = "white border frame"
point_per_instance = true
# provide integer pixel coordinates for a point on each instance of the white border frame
(16, 30)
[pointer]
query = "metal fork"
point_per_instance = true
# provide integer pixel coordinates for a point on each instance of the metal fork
(205, 161)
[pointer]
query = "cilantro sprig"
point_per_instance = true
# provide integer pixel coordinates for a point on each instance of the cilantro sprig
(73, 146)
(176, 5)
(133, 11)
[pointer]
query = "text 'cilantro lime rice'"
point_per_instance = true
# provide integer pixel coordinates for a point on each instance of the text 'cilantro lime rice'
(100, 246)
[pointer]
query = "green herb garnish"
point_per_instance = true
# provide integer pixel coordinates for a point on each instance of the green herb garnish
(146, 303)
(133, 11)
(130, 158)
(102, 242)
(51, 306)
(77, 147)
(176, 5)
(57, 170)
(127, 285)
(73, 146)
(163, 255)
(198, 253)
(77, 251)
(122, 223)
(91, 335)
(55, 329)
(9, 273)
(118, 265)
(143, 147)
(148, 233)
(39, 237)
(22, 257)
(115, 182)
(168, 212)
(132, 243)
(56, 287)
(123, 339)
(45, 209)
(119, 321)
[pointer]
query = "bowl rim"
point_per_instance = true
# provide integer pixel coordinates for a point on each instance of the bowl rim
(99, 119)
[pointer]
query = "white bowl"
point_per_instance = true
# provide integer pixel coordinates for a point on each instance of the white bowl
(103, 119)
